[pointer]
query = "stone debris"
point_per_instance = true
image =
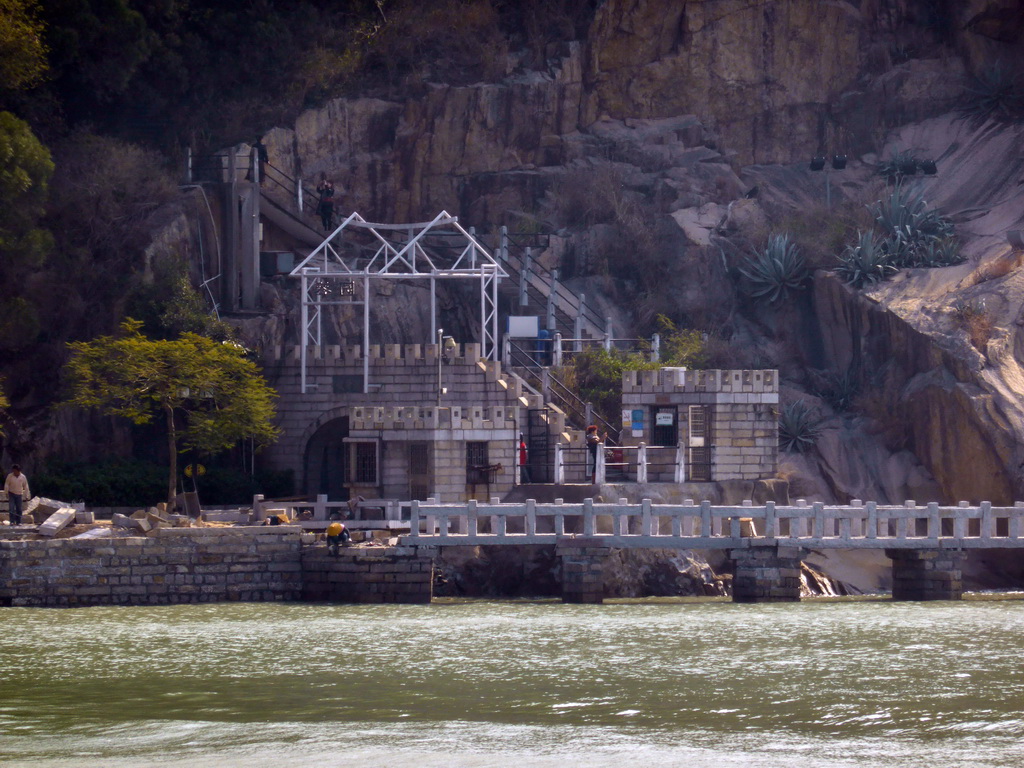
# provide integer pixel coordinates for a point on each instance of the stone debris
(57, 522)
(84, 517)
(100, 532)
(132, 523)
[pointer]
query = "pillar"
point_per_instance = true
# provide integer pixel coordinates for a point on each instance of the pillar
(582, 560)
(926, 574)
(766, 574)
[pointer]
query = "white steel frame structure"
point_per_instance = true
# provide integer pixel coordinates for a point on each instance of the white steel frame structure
(359, 251)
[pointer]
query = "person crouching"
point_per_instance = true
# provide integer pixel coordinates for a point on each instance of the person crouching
(337, 535)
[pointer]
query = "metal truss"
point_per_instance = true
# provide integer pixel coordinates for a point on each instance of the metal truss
(359, 251)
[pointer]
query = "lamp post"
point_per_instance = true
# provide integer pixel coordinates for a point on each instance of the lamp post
(440, 334)
(818, 164)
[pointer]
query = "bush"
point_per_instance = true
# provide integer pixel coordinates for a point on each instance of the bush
(799, 427)
(910, 227)
(133, 483)
(775, 270)
(865, 263)
(994, 94)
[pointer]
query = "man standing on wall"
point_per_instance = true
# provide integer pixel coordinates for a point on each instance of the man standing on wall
(16, 486)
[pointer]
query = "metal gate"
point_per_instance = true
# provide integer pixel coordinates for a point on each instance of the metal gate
(539, 451)
(698, 450)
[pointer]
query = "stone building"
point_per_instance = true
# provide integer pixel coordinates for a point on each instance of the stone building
(447, 429)
(721, 424)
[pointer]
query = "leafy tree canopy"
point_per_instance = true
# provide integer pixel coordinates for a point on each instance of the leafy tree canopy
(209, 393)
(22, 52)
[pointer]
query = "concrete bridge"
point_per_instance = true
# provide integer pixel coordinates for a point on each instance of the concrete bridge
(925, 543)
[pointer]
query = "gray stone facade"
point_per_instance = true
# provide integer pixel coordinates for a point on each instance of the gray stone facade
(425, 429)
(725, 422)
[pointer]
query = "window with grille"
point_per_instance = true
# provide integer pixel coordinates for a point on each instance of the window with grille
(364, 463)
(665, 430)
(476, 462)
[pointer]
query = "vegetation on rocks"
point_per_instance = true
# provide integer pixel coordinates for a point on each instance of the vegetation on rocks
(775, 271)
(799, 427)
(995, 94)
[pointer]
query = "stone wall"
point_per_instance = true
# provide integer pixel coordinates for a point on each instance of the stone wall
(173, 565)
(481, 403)
(744, 437)
(377, 575)
(205, 565)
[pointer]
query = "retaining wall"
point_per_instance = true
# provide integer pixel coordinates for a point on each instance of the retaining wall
(189, 565)
(377, 575)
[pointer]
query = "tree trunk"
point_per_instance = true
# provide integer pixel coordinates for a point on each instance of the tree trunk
(172, 448)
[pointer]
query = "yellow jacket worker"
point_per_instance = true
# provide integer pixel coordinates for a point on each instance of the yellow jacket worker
(337, 534)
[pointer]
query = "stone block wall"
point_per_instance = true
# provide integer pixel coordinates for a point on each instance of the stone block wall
(766, 574)
(377, 575)
(184, 565)
(926, 574)
(402, 405)
(742, 408)
(583, 561)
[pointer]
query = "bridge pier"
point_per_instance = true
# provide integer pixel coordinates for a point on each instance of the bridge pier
(766, 574)
(582, 561)
(926, 574)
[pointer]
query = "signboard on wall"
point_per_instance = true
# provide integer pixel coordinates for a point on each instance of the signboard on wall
(638, 422)
(664, 419)
(523, 326)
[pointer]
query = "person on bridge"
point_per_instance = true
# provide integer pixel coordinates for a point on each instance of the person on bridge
(325, 207)
(524, 469)
(593, 441)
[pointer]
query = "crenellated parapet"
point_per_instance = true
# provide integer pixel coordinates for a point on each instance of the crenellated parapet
(720, 385)
(409, 417)
(397, 354)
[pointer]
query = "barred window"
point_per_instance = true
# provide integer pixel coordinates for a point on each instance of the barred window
(476, 462)
(364, 463)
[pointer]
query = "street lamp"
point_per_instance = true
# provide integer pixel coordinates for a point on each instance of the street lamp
(818, 164)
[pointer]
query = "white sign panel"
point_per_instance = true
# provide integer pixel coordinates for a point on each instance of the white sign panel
(523, 326)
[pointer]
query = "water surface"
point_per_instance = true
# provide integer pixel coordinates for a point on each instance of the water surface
(525, 684)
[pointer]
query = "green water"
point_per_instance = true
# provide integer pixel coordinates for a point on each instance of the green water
(524, 684)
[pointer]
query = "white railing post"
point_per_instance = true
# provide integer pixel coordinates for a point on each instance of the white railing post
(414, 519)
(987, 521)
(559, 464)
(257, 508)
(531, 517)
(608, 334)
(588, 517)
(819, 520)
(559, 519)
(645, 518)
(599, 468)
(641, 463)
(934, 522)
(872, 532)
(705, 519)
(320, 508)
(769, 520)
(577, 328)
(556, 355)
(679, 476)
(472, 528)
(656, 348)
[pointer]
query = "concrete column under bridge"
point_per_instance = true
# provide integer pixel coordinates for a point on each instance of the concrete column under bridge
(766, 574)
(926, 574)
(582, 560)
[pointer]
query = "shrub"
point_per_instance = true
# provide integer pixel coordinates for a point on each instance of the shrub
(839, 390)
(976, 320)
(775, 270)
(865, 263)
(994, 94)
(799, 427)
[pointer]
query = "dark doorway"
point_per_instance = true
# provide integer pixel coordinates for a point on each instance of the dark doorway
(325, 460)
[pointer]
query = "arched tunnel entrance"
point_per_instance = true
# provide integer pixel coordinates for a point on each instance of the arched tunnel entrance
(325, 460)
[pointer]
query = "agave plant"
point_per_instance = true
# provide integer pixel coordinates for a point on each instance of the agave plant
(799, 427)
(910, 228)
(865, 263)
(943, 252)
(996, 94)
(775, 270)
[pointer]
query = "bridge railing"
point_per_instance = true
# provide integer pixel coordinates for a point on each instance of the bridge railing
(704, 526)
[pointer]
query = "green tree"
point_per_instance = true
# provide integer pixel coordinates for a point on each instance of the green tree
(209, 393)
(22, 52)
(25, 170)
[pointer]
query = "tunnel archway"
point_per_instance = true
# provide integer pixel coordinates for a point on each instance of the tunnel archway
(325, 460)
